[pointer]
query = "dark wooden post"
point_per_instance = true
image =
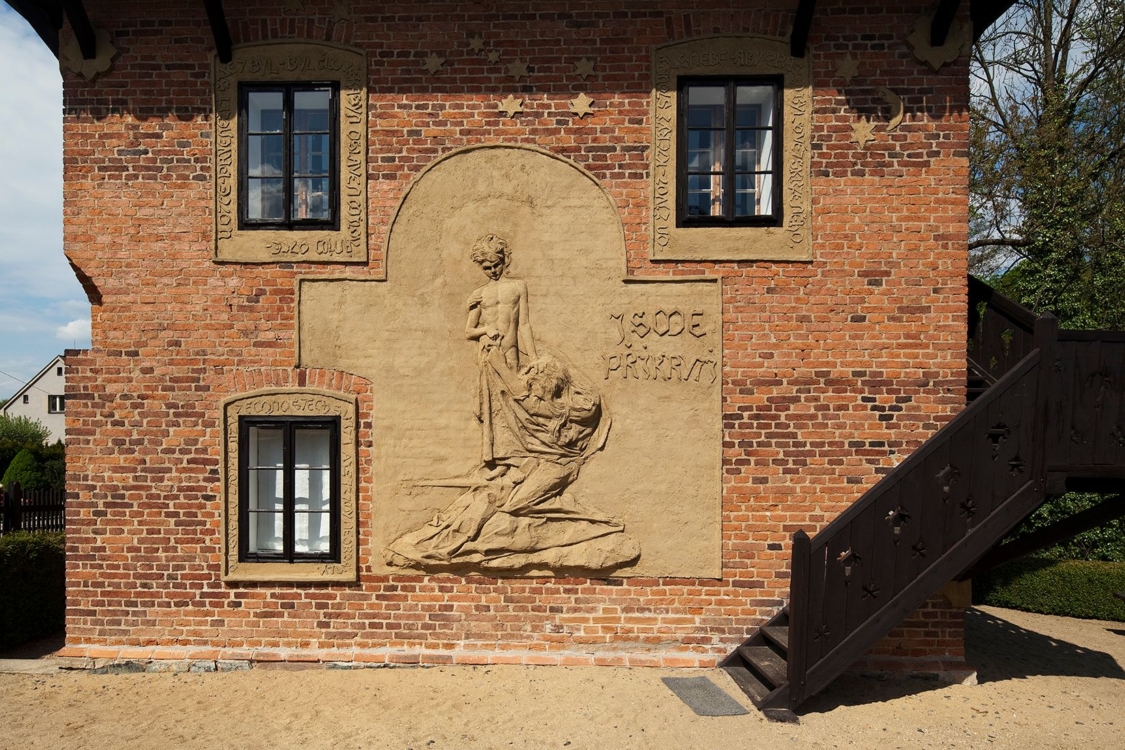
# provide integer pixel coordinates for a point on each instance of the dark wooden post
(3, 511)
(796, 654)
(15, 505)
(1045, 337)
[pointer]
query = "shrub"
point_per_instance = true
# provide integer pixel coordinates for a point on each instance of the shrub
(24, 469)
(17, 433)
(1107, 542)
(1074, 588)
(32, 586)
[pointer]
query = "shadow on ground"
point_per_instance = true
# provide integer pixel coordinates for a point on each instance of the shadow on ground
(999, 649)
(1003, 651)
(36, 649)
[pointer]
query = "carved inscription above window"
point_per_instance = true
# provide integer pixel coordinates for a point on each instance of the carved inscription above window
(787, 235)
(342, 238)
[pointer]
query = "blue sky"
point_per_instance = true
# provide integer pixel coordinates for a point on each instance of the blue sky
(43, 309)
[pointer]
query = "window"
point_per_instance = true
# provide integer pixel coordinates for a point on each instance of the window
(26, 399)
(287, 167)
(56, 404)
(289, 489)
(58, 371)
(290, 139)
(731, 159)
(729, 146)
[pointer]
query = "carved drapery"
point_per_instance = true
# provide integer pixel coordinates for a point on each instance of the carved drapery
(732, 56)
(293, 62)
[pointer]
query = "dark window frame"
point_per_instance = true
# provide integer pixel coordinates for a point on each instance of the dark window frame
(731, 83)
(52, 401)
(288, 553)
(287, 89)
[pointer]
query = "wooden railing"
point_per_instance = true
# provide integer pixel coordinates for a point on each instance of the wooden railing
(1086, 426)
(34, 510)
(930, 518)
(1000, 331)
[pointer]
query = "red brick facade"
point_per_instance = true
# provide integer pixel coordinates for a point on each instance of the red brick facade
(834, 368)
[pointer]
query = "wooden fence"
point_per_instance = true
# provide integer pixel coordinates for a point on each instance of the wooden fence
(34, 510)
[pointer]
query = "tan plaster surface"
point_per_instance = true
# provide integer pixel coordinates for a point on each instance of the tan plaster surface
(660, 471)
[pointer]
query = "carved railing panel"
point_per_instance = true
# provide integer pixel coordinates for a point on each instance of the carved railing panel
(1087, 414)
(1000, 330)
(865, 566)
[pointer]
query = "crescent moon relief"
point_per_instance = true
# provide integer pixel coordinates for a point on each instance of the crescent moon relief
(895, 102)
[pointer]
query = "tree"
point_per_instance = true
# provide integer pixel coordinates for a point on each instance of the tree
(1047, 159)
(24, 469)
(17, 433)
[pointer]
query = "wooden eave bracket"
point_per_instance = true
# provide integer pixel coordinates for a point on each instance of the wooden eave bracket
(45, 18)
(83, 30)
(799, 38)
(219, 29)
(943, 19)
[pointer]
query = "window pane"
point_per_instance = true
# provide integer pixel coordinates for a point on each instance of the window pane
(705, 195)
(266, 533)
(266, 199)
(754, 106)
(265, 157)
(266, 111)
(310, 155)
(705, 150)
(312, 489)
(312, 533)
(266, 447)
(753, 194)
(310, 198)
(310, 110)
(706, 106)
(754, 151)
(266, 489)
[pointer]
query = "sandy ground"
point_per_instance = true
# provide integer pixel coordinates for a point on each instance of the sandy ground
(1045, 682)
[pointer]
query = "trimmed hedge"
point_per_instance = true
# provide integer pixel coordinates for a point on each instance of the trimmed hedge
(1072, 588)
(32, 586)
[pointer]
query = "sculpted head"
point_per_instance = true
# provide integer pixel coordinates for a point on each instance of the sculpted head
(492, 254)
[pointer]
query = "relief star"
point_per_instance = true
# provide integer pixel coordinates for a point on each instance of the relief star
(581, 105)
(433, 63)
(511, 106)
(584, 68)
(847, 69)
(517, 69)
(494, 56)
(861, 132)
(476, 44)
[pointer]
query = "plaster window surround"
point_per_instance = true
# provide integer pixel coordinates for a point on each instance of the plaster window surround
(299, 193)
(289, 486)
(744, 203)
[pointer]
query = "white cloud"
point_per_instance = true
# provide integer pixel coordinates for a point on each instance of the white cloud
(75, 330)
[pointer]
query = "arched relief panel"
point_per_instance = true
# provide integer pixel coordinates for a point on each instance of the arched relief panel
(728, 56)
(639, 420)
(294, 62)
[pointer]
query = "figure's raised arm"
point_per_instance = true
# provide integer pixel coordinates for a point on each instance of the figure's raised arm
(473, 329)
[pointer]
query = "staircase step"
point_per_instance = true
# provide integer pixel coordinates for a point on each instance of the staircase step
(754, 688)
(767, 662)
(779, 634)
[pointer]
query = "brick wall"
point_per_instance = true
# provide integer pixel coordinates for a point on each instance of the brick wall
(834, 369)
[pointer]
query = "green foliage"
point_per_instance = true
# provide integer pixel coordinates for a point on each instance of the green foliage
(17, 433)
(24, 469)
(1047, 159)
(1073, 588)
(32, 586)
(1105, 543)
(23, 430)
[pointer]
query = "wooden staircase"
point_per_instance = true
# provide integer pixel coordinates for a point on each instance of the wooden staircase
(1045, 414)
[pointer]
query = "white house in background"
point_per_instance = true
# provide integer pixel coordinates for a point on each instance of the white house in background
(43, 398)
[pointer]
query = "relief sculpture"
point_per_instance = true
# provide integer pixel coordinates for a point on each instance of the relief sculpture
(541, 421)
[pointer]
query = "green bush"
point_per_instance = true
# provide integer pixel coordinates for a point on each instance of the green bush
(1074, 588)
(17, 433)
(1107, 542)
(32, 586)
(24, 469)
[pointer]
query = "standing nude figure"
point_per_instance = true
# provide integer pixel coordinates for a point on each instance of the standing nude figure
(498, 314)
